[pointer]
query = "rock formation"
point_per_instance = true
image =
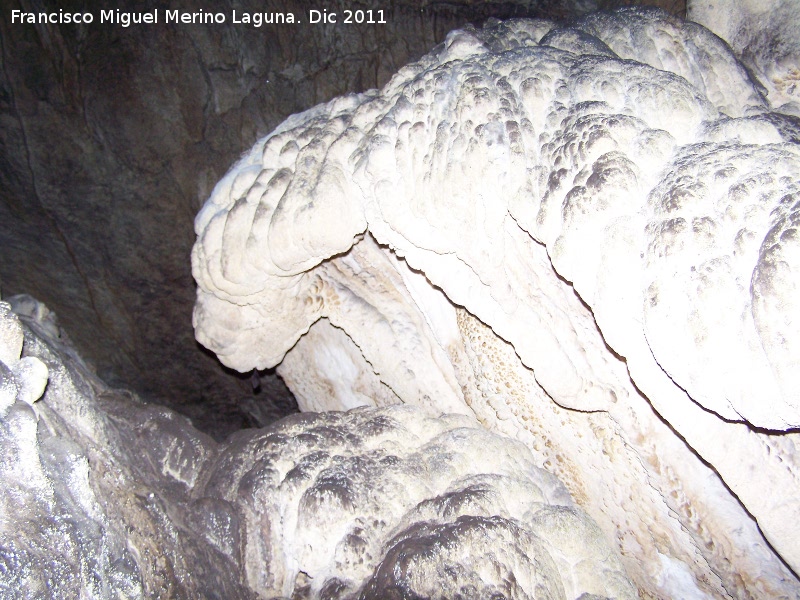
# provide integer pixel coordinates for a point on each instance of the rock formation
(105, 497)
(766, 36)
(112, 137)
(586, 237)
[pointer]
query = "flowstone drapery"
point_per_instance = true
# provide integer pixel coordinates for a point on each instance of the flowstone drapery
(586, 237)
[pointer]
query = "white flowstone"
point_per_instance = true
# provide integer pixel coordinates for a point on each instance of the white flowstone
(379, 503)
(106, 497)
(614, 214)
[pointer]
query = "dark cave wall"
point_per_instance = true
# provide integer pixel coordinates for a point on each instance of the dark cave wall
(111, 138)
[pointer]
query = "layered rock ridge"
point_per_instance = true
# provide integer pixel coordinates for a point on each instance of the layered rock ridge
(584, 236)
(766, 37)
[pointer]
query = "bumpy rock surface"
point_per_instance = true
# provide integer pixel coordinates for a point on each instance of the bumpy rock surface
(386, 503)
(105, 497)
(604, 216)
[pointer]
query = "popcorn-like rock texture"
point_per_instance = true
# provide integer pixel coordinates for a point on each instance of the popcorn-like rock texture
(584, 236)
(106, 497)
(384, 503)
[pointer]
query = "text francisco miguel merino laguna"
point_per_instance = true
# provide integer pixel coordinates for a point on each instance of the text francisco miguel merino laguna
(255, 19)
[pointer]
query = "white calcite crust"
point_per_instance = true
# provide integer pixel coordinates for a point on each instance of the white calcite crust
(23, 377)
(381, 503)
(581, 151)
(106, 497)
(618, 204)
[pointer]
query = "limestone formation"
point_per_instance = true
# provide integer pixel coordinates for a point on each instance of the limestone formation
(106, 497)
(112, 137)
(586, 238)
(386, 503)
(766, 36)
